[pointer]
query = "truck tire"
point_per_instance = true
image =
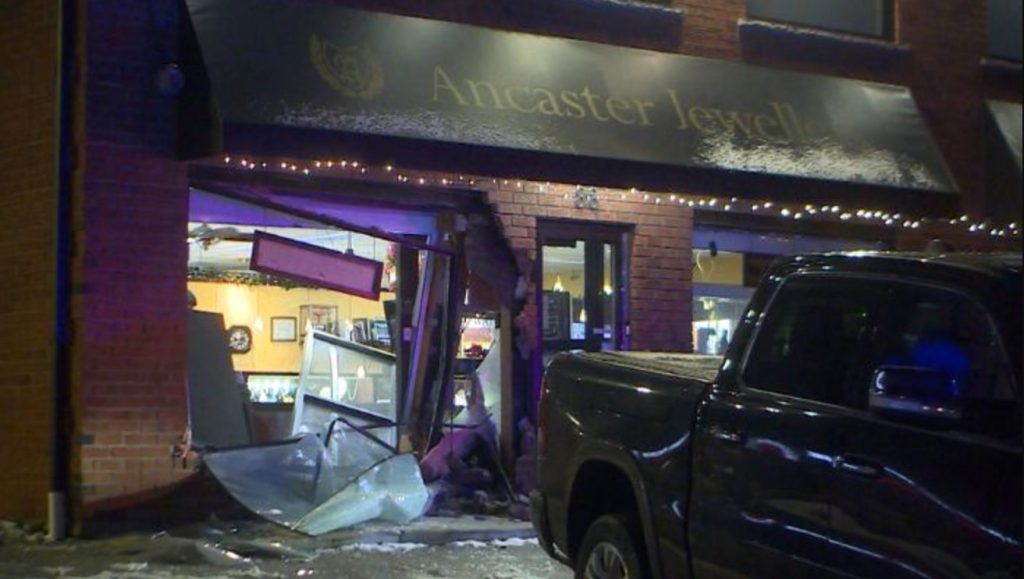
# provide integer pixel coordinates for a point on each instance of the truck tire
(612, 549)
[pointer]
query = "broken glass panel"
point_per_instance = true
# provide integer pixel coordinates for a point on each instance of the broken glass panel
(337, 373)
(313, 487)
(489, 373)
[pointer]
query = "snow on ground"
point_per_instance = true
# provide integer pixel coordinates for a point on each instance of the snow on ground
(499, 543)
(382, 547)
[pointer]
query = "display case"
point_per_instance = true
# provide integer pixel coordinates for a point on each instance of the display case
(267, 387)
(341, 376)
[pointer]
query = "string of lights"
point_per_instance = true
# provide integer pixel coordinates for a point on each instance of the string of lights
(794, 211)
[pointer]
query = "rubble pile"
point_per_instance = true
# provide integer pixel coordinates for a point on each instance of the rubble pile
(463, 472)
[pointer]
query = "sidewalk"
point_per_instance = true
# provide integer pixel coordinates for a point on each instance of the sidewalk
(217, 548)
(433, 531)
(215, 538)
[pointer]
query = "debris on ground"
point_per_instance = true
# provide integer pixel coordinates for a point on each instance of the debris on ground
(463, 471)
(265, 549)
(12, 532)
(315, 487)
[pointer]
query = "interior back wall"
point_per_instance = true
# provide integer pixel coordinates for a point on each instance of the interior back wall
(241, 305)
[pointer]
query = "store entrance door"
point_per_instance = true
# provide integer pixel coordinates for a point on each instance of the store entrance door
(582, 289)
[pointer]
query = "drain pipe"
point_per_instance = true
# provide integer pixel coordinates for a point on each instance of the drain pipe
(57, 498)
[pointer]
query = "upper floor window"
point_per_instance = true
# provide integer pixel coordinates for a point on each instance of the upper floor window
(871, 18)
(1004, 29)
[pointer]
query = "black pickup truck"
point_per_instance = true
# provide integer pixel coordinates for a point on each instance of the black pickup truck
(864, 422)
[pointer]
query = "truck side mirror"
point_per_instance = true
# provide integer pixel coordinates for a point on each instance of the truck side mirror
(919, 394)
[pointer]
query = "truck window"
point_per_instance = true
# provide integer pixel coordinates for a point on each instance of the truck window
(945, 331)
(809, 341)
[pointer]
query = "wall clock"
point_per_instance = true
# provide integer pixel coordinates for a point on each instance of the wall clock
(239, 339)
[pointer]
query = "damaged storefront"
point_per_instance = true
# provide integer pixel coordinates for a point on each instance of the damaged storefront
(344, 104)
(320, 345)
(366, 234)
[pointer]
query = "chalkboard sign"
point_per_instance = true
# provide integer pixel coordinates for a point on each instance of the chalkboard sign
(555, 312)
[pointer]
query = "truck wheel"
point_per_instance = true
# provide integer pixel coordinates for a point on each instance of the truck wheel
(610, 549)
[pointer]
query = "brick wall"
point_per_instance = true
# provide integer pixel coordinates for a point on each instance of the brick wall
(660, 291)
(28, 169)
(129, 307)
(710, 27)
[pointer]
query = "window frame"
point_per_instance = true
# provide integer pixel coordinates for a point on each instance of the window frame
(891, 283)
(887, 14)
(872, 326)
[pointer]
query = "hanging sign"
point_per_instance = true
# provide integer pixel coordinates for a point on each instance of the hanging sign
(316, 265)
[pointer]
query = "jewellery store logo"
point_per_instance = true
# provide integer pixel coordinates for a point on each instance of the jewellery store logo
(354, 71)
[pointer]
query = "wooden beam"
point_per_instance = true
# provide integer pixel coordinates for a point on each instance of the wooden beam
(507, 419)
(427, 306)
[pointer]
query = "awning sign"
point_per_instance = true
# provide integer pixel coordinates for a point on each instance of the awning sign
(313, 66)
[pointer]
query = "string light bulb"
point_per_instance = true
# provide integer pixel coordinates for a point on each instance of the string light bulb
(827, 212)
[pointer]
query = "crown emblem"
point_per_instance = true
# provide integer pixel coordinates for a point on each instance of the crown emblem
(353, 71)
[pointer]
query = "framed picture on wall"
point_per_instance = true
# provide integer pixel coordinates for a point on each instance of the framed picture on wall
(284, 329)
(360, 330)
(322, 318)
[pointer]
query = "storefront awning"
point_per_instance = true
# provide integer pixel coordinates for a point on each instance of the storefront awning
(1003, 159)
(316, 80)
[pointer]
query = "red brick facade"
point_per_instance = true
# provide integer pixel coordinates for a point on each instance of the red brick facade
(129, 303)
(659, 265)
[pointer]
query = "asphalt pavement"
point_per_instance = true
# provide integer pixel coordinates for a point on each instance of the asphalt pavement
(429, 548)
(503, 559)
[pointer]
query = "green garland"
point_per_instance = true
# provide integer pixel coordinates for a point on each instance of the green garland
(196, 273)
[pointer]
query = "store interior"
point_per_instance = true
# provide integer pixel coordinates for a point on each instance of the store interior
(299, 348)
(728, 265)
(267, 318)
(564, 294)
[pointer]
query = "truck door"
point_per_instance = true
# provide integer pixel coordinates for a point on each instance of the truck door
(929, 463)
(765, 439)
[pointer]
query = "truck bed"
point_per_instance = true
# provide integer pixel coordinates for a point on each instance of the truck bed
(698, 367)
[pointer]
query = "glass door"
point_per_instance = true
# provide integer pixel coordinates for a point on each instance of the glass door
(582, 289)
